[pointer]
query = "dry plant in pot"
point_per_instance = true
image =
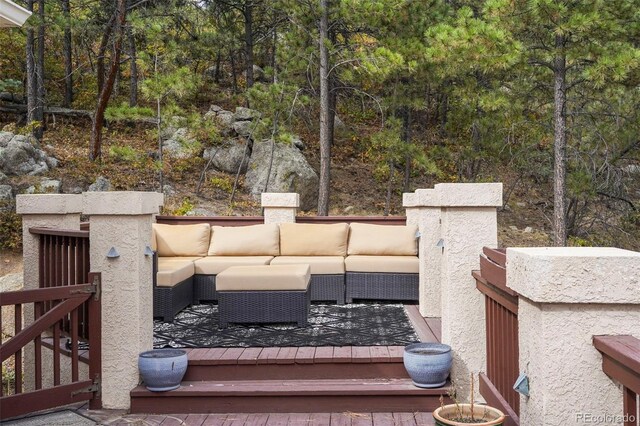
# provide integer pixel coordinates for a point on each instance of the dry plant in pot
(458, 414)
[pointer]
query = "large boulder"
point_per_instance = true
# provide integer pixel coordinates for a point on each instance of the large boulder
(45, 186)
(180, 145)
(101, 184)
(229, 156)
(290, 172)
(244, 128)
(19, 156)
(245, 114)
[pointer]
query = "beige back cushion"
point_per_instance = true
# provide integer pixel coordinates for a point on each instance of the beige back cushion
(301, 239)
(254, 240)
(382, 240)
(182, 240)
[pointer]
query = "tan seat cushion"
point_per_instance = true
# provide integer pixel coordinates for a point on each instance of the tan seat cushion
(271, 277)
(395, 264)
(320, 265)
(172, 272)
(182, 240)
(213, 265)
(302, 239)
(382, 240)
(254, 240)
(171, 259)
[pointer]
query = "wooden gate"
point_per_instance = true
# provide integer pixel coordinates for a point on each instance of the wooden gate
(66, 329)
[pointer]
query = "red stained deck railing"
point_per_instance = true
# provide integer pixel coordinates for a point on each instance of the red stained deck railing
(211, 220)
(256, 220)
(501, 313)
(63, 261)
(621, 362)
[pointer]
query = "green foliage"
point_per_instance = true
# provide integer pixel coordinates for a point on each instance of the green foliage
(185, 208)
(123, 153)
(225, 183)
(387, 149)
(10, 85)
(10, 230)
(126, 112)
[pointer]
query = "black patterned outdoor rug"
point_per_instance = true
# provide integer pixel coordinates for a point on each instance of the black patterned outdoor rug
(361, 324)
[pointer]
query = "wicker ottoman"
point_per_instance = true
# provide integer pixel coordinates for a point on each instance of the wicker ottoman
(263, 294)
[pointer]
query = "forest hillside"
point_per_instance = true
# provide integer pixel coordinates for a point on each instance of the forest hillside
(348, 102)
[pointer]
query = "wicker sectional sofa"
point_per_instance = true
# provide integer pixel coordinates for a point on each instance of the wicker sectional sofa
(347, 261)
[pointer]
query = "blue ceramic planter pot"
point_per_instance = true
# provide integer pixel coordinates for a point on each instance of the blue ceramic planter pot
(428, 364)
(162, 369)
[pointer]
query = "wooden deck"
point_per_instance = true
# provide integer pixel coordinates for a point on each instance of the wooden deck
(276, 419)
(362, 379)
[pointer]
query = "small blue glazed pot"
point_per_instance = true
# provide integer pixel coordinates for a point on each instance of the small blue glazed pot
(162, 369)
(428, 364)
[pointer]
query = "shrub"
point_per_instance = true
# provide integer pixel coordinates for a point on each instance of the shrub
(224, 183)
(10, 230)
(123, 153)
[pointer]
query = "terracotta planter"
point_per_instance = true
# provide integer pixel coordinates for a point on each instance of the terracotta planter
(490, 416)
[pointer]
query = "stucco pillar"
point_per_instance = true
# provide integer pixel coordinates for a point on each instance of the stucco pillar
(423, 209)
(469, 222)
(280, 207)
(41, 210)
(568, 295)
(122, 221)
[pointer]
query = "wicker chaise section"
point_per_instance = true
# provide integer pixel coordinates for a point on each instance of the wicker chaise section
(264, 294)
(263, 307)
(381, 286)
(327, 288)
(204, 289)
(168, 301)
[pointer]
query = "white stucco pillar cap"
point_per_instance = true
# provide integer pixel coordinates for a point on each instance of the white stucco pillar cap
(48, 204)
(575, 274)
(456, 195)
(280, 199)
(121, 203)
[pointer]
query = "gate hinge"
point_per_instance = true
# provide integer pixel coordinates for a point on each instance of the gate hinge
(89, 290)
(98, 287)
(93, 388)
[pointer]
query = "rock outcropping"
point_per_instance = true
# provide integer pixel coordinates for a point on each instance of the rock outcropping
(21, 155)
(289, 171)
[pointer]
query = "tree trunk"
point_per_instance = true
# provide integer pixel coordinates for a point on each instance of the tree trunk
(39, 107)
(234, 76)
(248, 40)
(406, 138)
(325, 137)
(133, 69)
(387, 199)
(68, 59)
(102, 51)
(559, 145)
(274, 51)
(95, 147)
(32, 79)
(216, 77)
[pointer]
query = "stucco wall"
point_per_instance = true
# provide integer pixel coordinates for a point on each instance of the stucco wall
(567, 296)
(566, 380)
(465, 232)
(42, 210)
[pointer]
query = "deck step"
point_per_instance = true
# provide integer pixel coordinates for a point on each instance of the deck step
(367, 362)
(286, 396)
